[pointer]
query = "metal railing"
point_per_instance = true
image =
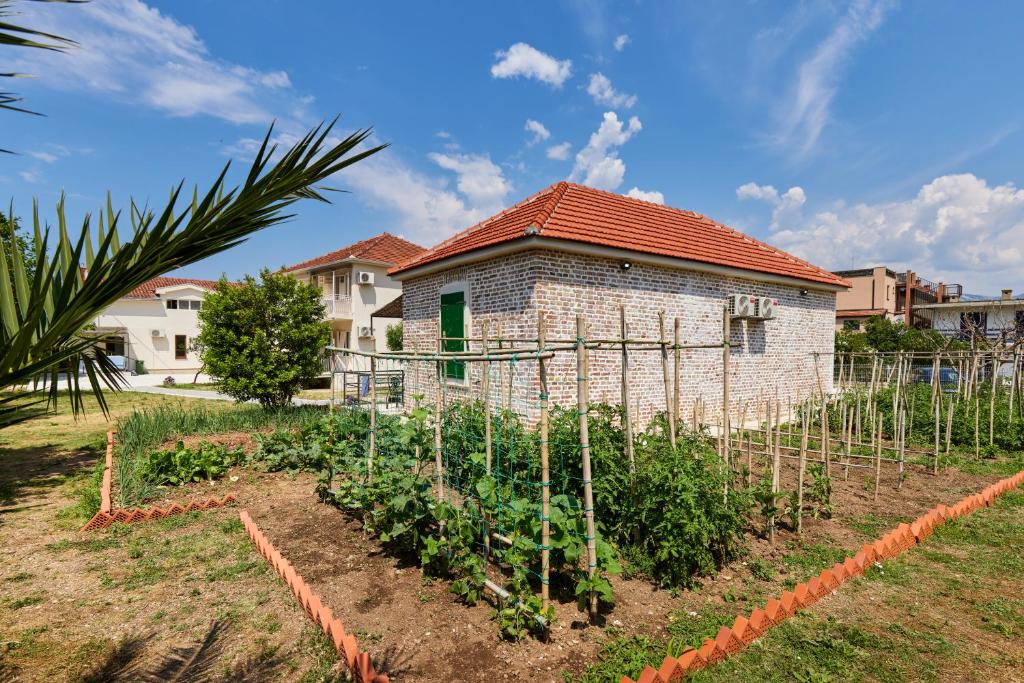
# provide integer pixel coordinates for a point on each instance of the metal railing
(337, 305)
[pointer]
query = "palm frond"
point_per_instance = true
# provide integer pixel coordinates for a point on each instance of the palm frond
(42, 319)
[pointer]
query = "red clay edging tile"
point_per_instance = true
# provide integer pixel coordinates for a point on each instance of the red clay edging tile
(359, 663)
(745, 630)
(108, 516)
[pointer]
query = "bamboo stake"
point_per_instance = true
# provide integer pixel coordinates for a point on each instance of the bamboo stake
(878, 459)
(668, 381)
(903, 441)
(800, 479)
(750, 459)
(996, 366)
(977, 425)
(949, 421)
(938, 419)
(676, 370)
(627, 422)
(485, 369)
(582, 368)
(438, 460)
(545, 473)
(372, 451)
(726, 425)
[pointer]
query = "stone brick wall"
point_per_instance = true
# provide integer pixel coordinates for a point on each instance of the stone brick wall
(767, 358)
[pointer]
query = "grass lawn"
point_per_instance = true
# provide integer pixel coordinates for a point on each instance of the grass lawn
(951, 608)
(114, 605)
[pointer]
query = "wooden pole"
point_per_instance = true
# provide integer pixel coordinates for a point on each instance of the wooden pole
(438, 460)
(676, 369)
(668, 381)
(800, 479)
(373, 420)
(750, 459)
(938, 420)
(726, 423)
(627, 422)
(545, 473)
(949, 422)
(776, 466)
(977, 425)
(997, 363)
(485, 382)
(878, 457)
(582, 400)
(902, 452)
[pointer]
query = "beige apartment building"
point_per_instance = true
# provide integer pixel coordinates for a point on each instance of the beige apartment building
(881, 291)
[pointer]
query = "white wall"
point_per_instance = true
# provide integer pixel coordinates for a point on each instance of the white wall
(140, 316)
(1000, 317)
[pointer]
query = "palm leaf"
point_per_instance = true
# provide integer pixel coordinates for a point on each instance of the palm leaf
(42, 321)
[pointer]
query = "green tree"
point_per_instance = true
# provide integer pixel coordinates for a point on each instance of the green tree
(393, 335)
(17, 244)
(263, 340)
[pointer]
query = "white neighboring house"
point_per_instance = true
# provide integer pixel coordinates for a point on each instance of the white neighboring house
(355, 283)
(156, 323)
(995, 319)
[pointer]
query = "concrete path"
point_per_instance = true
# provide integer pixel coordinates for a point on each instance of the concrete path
(216, 395)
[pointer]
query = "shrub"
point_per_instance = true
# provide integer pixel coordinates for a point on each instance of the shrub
(263, 340)
(393, 335)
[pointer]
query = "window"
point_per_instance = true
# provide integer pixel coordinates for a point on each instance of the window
(195, 304)
(1018, 319)
(851, 325)
(180, 347)
(453, 329)
(115, 347)
(973, 323)
(172, 304)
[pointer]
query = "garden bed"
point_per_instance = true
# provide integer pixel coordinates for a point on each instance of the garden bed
(417, 630)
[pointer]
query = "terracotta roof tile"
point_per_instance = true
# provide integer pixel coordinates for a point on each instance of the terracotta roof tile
(859, 312)
(577, 213)
(384, 247)
(147, 290)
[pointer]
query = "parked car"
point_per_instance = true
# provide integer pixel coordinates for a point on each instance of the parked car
(949, 378)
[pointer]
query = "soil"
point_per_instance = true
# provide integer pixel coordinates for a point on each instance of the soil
(417, 631)
(413, 626)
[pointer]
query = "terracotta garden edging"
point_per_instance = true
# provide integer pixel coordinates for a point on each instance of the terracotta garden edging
(108, 516)
(745, 630)
(357, 661)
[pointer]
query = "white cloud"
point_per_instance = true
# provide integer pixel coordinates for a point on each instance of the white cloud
(559, 152)
(784, 207)
(529, 62)
(621, 42)
(598, 164)
(31, 176)
(957, 228)
(808, 104)
(540, 133)
(600, 88)
(426, 208)
(652, 196)
(479, 179)
(137, 54)
(44, 156)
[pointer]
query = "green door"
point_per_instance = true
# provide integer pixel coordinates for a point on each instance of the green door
(453, 326)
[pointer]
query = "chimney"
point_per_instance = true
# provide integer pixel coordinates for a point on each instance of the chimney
(1007, 294)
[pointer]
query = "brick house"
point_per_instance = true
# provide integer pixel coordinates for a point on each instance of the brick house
(572, 249)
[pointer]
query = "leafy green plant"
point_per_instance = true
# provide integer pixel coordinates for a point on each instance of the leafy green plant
(182, 465)
(768, 500)
(820, 493)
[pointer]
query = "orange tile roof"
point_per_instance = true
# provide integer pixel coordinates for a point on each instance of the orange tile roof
(576, 213)
(147, 290)
(385, 247)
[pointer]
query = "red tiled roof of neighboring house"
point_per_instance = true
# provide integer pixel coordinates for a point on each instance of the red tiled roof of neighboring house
(860, 312)
(385, 247)
(576, 213)
(147, 290)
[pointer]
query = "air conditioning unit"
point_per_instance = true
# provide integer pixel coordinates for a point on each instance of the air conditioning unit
(364, 331)
(765, 308)
(156, 333)
(364, 278)
(741, 306)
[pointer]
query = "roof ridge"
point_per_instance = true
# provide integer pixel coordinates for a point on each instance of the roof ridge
(544, 214)
(425, 255)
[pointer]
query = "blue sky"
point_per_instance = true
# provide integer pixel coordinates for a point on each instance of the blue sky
(852, 134)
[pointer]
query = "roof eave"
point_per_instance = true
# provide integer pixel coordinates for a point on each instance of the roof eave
(587, 249)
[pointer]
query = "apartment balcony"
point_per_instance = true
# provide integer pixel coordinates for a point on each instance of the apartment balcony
(338, 306)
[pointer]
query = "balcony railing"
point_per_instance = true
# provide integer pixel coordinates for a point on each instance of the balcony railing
(337, 305)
